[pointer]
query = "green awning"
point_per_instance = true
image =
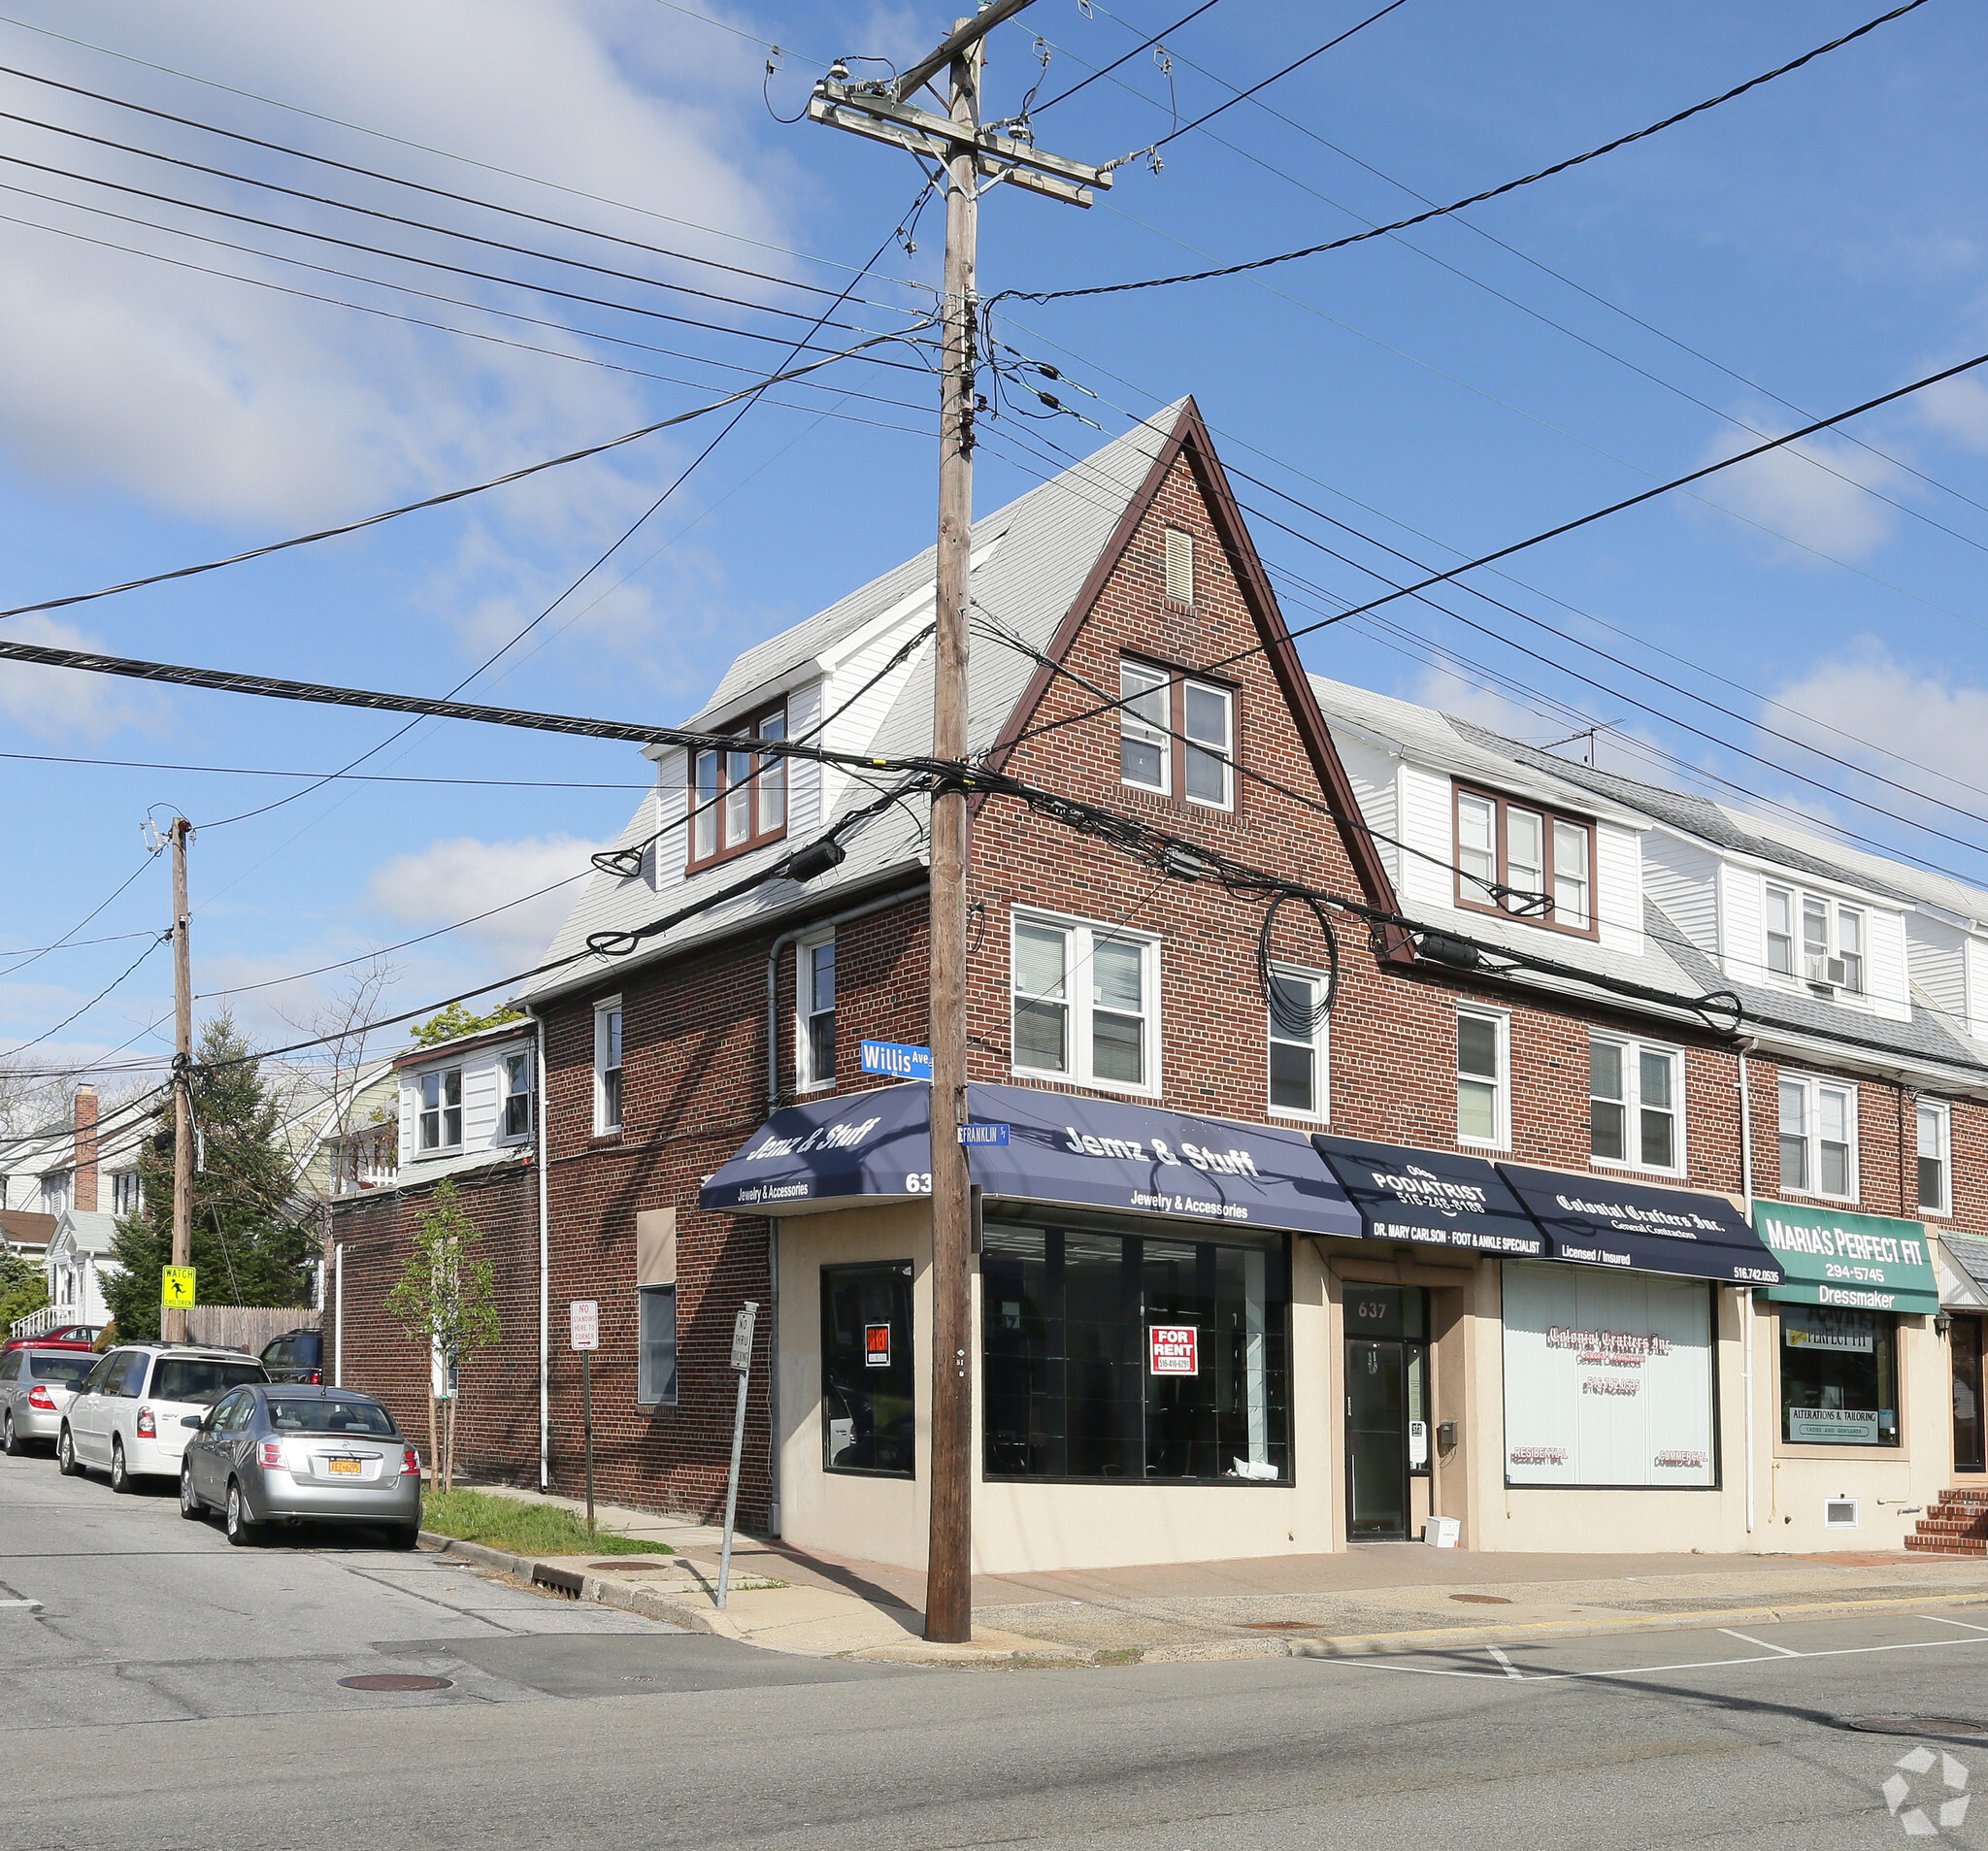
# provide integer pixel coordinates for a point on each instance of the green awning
(1864, 1261)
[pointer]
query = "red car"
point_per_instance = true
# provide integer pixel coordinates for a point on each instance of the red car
(66, 1337)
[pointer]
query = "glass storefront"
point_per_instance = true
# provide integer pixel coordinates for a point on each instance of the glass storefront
(1839, 1376)
(1114, 1356)
(867, 1372)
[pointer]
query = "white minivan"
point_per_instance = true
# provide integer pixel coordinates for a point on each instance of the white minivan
(126, 1418)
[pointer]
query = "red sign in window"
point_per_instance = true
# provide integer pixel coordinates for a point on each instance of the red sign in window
(876, 1345)
(1174, 1350)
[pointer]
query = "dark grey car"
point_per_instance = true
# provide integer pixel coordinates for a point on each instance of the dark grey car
(292, 1453)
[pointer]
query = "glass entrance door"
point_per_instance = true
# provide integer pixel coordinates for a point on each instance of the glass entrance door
(1377, 1441)
(1964, 1346)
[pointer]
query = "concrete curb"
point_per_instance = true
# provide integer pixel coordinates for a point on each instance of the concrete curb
(1364, 1645)
(652, 1603)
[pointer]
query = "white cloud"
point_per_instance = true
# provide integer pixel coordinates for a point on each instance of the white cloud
(1957, 408)
(454, 879)
(65, 704)
(219, 401)
(1811, 493)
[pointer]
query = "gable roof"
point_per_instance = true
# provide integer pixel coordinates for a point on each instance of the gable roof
(1040, 563)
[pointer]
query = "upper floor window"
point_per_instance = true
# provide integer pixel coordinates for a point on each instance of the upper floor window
(608, 1065)
(1818, 1132)
(1815, 939)
(441, 1108)
(1086, 1004)
(739, 799)
(517, 1082)
(1483, 1077)
(1297, 1045)
(1634, 1093)
(1180, 566)
(1176, 736)
(1935, 1175)
(128, 1192)
(55, 1192)
(815, 1037)
(1526, 861)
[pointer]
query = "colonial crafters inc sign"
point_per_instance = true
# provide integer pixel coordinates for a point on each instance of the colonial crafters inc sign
(1860, 1262)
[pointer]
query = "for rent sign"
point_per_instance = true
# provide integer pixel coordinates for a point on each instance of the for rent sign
(1856, 1262)
(1174, 1350)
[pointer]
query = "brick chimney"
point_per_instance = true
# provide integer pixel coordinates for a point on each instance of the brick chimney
(85, 1193)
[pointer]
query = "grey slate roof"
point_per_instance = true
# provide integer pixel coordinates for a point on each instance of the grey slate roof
(1970, 1252)
(1040, 549)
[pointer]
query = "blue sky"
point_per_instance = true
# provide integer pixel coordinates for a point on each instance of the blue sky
(1808, 245)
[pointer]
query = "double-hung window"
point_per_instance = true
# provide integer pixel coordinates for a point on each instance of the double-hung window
(607, 1065)
(1815, 940)
(1818, 1134)
(1522, 859)
(1086, 1004)
(815, 1036)
(1298, 1069)
(739, 799)
(1635, 1103)
(1176, 736)
(516, 1080)
(1483, 1077)
(441, 1108)
(128, 1192)
(1936, 1173)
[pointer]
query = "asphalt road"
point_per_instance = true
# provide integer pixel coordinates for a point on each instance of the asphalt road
(160, 1690)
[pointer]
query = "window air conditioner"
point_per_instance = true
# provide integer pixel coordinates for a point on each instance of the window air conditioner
(1825, 970)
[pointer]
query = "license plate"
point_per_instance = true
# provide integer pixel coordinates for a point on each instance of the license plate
(343, 1465)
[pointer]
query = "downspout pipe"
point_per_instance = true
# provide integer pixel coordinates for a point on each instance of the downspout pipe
(545, 1255)
(772, 1227)
(1747, 1296)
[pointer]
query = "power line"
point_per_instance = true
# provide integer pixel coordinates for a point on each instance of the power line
(451, 495)
(1063, 96)
(47, 1034)
(1476, 199)
(261, 770)
(70, 935)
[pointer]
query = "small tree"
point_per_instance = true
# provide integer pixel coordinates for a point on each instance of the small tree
(447, 1024)
(23, 1288)
(447, 1301)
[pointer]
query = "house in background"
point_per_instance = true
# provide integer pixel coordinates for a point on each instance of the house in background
(78, 1263)
(25, 1235)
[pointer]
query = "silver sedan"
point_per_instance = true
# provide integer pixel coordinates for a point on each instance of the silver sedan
(286, 1453)
(35, 1386)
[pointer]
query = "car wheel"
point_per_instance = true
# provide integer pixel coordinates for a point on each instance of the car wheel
(10, 1440)
(121, 1478)
(65, 1455)
(406, 1537)
(190, 1506)
(243, 1532)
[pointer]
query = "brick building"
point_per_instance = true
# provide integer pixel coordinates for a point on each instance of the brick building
(1256, 1274)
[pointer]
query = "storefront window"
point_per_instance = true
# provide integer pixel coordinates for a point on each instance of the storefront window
(1839, 1376)
(1116, 1356)
(867, 1371)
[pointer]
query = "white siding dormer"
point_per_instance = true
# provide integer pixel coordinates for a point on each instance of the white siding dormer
(1743, 934)
(1937, 961)
(1618, 887)
(1774, 944)
(804, 813)
(474, 1100)
(669, 810)
(1975, 954)
(1427, 822)
(1682, 877)
(1375, 774)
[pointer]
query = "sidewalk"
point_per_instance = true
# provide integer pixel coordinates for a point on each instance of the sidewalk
(1376, 1597)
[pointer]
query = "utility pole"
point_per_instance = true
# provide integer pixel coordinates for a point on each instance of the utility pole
(974, 158)
(173, 1325)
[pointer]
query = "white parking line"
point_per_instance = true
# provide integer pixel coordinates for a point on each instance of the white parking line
(1936, 1619)
(1510, 1669)
(33, 1604)
(1646, 1671)
(1761, 1642)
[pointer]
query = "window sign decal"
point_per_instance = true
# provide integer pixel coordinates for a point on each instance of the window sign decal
(1174, 1350)
(876, 1345)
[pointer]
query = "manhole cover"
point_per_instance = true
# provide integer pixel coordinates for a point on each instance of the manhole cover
(1918, 1726)
(395, 1680)
(1282, 1626)
(1482, 1599)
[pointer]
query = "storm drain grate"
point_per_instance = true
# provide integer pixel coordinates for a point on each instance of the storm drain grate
(558, 1580)
(395, 1680)
(1918, 1726)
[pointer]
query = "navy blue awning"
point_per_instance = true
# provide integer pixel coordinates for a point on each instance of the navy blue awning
(1432, 1198)
(1064, 1150)
(1095, 1153)
(1643, 1227)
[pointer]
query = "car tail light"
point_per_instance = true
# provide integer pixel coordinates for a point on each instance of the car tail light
(148, 1427)
(411, 1461)
(315, 1379)
(39, 1397)
(272, 1452)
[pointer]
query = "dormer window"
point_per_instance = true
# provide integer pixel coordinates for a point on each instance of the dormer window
(1526, 861)
(1814, 939)
(739, 799)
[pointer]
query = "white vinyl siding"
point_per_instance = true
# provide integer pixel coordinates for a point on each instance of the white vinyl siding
(1375, 776)
(1683, 878)
(666, 810)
